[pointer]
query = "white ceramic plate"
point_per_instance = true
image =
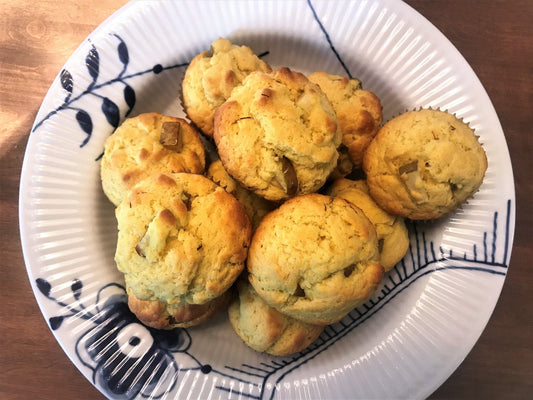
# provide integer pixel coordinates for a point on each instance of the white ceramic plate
(404, 342)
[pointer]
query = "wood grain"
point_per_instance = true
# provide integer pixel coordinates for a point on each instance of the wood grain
(36, 39)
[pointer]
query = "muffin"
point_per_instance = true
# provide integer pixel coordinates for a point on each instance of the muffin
(424, 164)
(315, 258)
(255, 206)
(212, 75)
(147, 144)
(265, 329)
(393, 237)
(277, 135)
(182, 240)
(359, 111)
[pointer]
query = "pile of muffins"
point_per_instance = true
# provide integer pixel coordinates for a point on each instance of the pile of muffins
(272, 230)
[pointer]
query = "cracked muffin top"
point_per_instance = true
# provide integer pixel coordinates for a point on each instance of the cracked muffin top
(181, 238)
(212, 75)
(315, 258)
(144, 145)
(424, 164)
(277, 134)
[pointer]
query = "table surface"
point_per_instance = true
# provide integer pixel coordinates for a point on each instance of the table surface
(36, 39)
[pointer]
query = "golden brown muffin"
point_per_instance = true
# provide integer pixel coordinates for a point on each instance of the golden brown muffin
(277, 135)
(315, 258)
(181, 239)
(424, 164)
(212, 75)
(393, 237)
(148, 144)
(256, 207)
(359, 111)
(162, 315)
(265, 329)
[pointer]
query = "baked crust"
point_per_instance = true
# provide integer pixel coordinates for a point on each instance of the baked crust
(134, 152)
(393, 237)
(278, 135)
(265, 329)
(315, 258)
(162, 315)
(424, 164)
(359, 111)
(181, 239)
(212, 75)
(255, 206)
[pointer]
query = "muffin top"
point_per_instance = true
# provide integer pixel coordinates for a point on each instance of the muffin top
(315, 258)
(277, 134)
(212, 75)
(181, 238)
(424, 164)
(147, 144)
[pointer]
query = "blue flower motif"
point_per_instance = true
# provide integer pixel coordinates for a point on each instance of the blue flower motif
(127, 358)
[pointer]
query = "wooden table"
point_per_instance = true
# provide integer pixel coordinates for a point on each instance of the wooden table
(37, 37)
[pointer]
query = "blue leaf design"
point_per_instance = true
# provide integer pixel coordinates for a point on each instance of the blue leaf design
(111, 112)
(123, 54)
(129, 96)
(86, 124)
(43, 286)
(55, 322)
(66, 81)
(92, 61)
(76, 288)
